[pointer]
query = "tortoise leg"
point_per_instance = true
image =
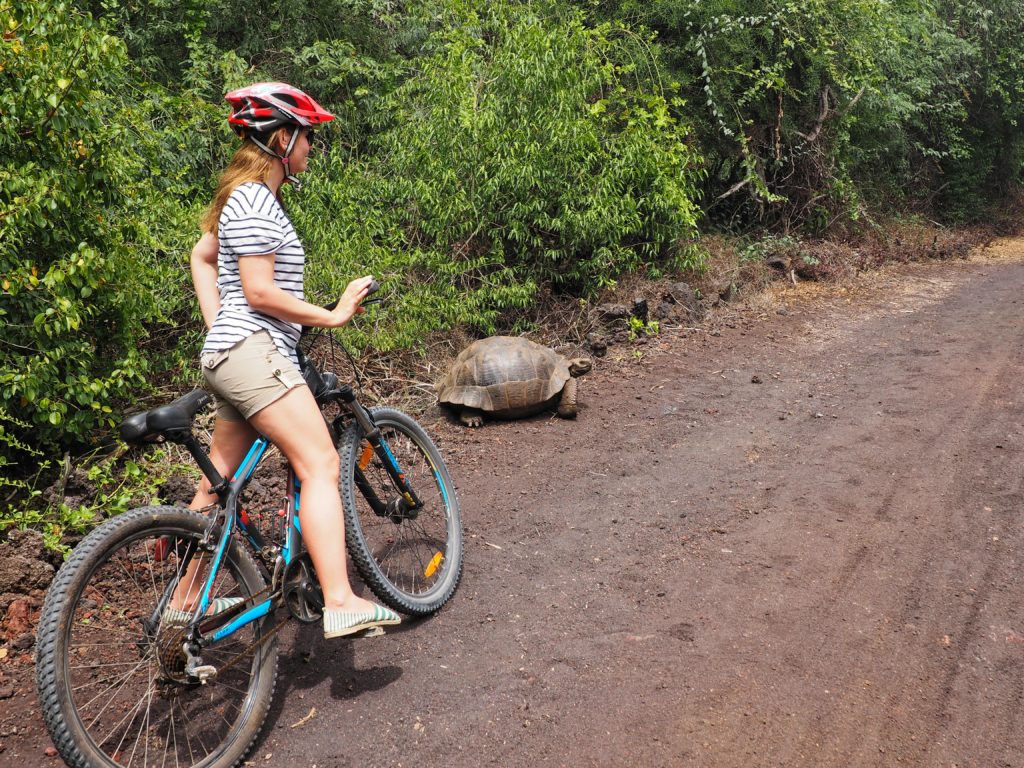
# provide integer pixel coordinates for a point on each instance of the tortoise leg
(471, 418)
(567, 405)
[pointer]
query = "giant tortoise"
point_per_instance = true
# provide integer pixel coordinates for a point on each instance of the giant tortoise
(507, 377)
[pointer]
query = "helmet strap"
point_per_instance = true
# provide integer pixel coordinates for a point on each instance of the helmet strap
(283, 158)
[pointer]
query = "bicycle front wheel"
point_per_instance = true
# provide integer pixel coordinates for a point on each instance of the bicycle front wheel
(110, 669)
(410, 558)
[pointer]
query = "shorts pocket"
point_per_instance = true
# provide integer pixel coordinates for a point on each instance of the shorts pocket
(210, 360)
(288, 376)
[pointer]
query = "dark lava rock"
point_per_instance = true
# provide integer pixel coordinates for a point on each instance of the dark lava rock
(612, 311)
(24, 563)
(640, 309)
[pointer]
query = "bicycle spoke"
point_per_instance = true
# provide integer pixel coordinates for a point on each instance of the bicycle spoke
(102, 666)
(127, 718)
(123, 682)
(126, 680)
(170, 741)
(411, 558)
(185, 716)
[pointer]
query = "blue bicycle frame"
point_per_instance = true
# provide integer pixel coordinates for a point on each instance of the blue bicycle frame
(234, 517)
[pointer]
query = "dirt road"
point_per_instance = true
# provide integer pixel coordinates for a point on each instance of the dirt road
(793, 543)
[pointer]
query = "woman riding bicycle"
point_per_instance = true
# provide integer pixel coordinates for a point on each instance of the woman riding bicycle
(248, 274)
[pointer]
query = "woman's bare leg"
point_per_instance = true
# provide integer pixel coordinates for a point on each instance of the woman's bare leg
(295, 425)
(231, 441)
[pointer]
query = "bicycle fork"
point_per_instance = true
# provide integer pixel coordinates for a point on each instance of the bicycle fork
(402, 507)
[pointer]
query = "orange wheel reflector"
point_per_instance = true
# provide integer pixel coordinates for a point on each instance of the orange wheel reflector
(433, 565)
(365, 456)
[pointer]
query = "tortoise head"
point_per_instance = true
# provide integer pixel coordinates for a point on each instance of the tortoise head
(580, 365)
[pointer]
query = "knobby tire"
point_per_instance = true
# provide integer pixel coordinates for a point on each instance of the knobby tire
(411, 562)
(102, 679)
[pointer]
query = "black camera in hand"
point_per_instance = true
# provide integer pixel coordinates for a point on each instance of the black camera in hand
(374, 287)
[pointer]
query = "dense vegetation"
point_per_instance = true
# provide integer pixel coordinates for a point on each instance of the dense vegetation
(485, 150)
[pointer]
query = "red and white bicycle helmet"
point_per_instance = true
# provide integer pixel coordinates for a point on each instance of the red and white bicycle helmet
(260, 109)
(264, 107)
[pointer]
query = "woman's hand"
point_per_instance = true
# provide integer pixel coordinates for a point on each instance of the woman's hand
(348, 304)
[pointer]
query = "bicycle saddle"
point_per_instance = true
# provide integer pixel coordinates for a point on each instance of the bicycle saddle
(172, 417)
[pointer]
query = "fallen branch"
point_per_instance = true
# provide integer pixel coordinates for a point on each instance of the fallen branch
(306, 719)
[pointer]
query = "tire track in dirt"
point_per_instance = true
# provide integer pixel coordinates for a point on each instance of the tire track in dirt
(820, 737)
(934, 490)
(988, 649)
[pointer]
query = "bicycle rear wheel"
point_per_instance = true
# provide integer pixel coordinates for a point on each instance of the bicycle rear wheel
(412, 560)
(112, 686)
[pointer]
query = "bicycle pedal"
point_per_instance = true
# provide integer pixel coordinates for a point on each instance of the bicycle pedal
(372, 632)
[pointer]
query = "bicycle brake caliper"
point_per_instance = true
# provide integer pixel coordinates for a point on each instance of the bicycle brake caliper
(211, 535)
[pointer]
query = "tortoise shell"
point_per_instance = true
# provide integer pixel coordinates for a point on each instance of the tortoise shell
(505, 376)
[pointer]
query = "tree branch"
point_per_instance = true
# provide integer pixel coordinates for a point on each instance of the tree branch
(734, 188)
(823, 98)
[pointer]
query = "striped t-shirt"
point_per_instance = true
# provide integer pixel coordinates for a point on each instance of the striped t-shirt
(253, 223)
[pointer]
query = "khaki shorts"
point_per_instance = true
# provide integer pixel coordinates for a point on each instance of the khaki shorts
(249, 376)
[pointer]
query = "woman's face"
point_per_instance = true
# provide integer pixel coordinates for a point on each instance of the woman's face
(299, 158)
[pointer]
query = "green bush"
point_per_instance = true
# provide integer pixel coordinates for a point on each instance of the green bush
(525, 148)
(110, 483)
(71, 307)
(813, 113)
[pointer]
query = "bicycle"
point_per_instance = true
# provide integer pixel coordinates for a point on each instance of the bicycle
(123, 685)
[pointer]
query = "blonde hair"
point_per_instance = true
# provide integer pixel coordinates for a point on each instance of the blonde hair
(249, 163)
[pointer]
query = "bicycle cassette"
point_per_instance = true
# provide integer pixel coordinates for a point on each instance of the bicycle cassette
(302, 592)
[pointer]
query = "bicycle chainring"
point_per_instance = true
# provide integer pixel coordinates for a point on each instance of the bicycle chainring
(301, 590)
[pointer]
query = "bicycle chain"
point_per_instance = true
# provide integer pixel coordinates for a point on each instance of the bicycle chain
(256, 644)
(242, 654)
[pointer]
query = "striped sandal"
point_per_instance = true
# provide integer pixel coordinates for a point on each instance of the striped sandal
(341, 623)
(218, 606)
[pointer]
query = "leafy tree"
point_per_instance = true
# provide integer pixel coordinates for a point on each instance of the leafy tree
(524, 148)
(803, 108)
(774, 83)
(75, 298)
(989, 160)
(347, 52)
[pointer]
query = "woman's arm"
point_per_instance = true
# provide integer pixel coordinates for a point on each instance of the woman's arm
(204, 276)
(263, 295)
